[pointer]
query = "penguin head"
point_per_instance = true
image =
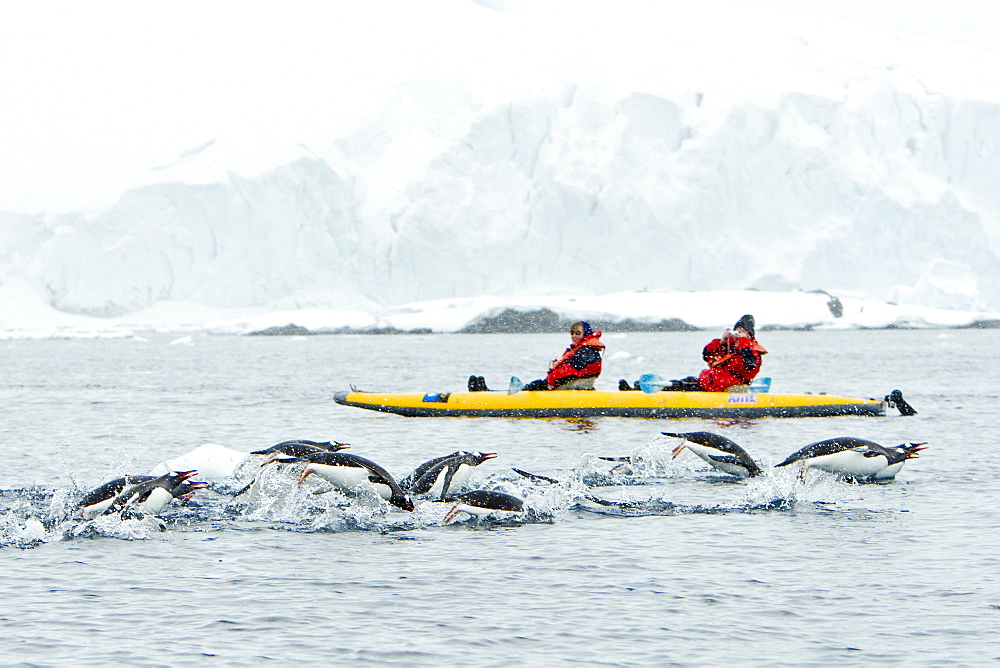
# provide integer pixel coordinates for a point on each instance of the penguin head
(911, 450)
(186, 490)
(402, 501)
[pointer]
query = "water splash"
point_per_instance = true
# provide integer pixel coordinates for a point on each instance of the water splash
(648, 482)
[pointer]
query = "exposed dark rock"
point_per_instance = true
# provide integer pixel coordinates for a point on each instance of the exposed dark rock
(544, 320)
(283, 330)
(296, 330)
(510, 321)
(629, 325)
(379, 330)
(808, 327)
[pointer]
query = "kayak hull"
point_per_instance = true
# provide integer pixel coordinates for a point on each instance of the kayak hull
(584, 404)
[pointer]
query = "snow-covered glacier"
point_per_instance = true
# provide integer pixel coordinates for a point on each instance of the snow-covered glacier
(868, 179)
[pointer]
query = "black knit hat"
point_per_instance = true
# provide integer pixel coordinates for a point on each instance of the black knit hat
(747, 323)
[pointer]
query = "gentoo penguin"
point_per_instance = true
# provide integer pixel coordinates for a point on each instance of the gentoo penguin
(97, 500)
(152, 495)
(300, 448)
(722, 453)
(295, 449)
(447, 475)
(351, 472)
(854, 458)
(412, 477)
(481, 502)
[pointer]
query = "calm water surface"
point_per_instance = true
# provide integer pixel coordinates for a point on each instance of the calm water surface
(701, 570)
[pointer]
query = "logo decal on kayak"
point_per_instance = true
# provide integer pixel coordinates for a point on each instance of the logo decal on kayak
(742, 398)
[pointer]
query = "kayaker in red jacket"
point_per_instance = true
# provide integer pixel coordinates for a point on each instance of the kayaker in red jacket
(579, 364)
(733, 359)
(575, 369)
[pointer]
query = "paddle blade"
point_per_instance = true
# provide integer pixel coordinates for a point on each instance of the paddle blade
(515, 385)
(651, 383)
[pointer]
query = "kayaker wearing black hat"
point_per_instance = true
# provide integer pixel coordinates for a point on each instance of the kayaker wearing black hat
(733, 359)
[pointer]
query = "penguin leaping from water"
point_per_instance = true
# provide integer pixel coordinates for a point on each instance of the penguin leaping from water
(299, 448)
(854, 458)
(148, 496)
(350, 473)
(484, 503)
(443, 476)
(722, 453)
(412, 477)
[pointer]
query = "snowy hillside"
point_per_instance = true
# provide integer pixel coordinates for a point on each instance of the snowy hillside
(629, 156)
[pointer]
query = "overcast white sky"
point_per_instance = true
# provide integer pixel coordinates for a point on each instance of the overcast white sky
(91, 92)
(971, 22)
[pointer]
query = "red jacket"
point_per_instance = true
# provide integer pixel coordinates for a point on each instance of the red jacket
(732, 360)
(582, 360)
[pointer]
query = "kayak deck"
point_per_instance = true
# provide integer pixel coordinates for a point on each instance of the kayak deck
(593, 403)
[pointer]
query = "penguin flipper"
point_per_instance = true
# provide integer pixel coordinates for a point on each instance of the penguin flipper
(536, 477)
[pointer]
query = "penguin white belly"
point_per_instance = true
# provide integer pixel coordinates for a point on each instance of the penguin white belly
(382, 490)
(707, 453)
(483, 512)
(889, 472)
(459, 480)
(437, 486)
(481, 503)
(479, 512)
(155, 502)
(850, 463)
(97, 508)
(347, 478)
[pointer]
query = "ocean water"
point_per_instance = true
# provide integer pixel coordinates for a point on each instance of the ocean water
(698, 569)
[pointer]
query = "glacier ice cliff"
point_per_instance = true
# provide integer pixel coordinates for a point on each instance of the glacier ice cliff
(802, 171)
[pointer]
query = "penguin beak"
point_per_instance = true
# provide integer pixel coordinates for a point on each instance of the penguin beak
(184, 475)
(678, 450)
(914, 449)
(487, 455)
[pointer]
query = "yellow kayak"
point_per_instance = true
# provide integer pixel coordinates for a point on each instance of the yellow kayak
(593, 403)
